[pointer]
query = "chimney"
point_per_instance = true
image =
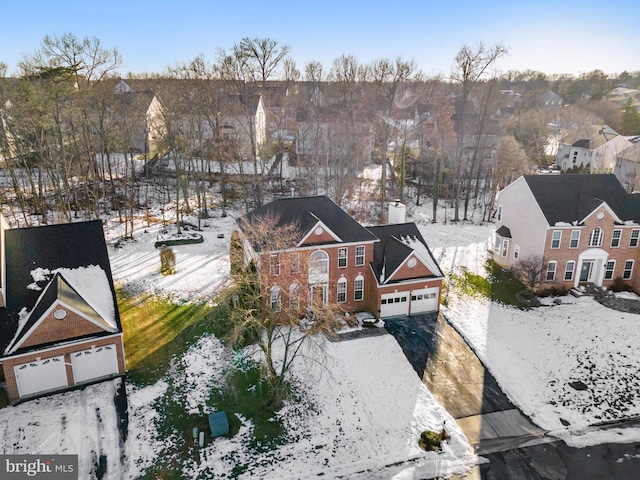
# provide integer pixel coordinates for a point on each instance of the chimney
(397, 212)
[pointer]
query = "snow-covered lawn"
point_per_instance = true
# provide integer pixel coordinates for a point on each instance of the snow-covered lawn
(369, 406)
(363, 412)
(537, 355)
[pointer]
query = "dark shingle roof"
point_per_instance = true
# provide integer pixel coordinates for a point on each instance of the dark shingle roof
(52, 247)
(306, 211)
(504, 232)
(570, 198)
(391, 251)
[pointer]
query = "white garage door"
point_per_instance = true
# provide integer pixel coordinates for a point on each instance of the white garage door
(40, 376)
(425, 300)
(393, 304)
(94, 363)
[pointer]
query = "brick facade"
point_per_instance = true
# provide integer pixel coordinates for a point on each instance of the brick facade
(53, 330)
(618, 251)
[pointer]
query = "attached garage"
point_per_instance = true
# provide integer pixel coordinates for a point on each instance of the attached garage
(41, 376)
(394, 304)
(425, 300)
(94, 363)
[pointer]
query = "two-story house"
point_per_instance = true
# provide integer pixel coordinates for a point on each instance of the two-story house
(387, 270)
(584, 228)
(59, 322)
(592, 147)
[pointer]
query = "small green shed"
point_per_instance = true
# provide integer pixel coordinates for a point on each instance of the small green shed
(219, 424)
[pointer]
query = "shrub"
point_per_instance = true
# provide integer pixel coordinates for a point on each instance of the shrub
(430, 441)
(167, 261)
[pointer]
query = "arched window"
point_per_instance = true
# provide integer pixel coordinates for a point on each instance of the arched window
(319, 276)
(341, 294)
(294, 296)
(595, 239)
(358, 288)
(276, 299)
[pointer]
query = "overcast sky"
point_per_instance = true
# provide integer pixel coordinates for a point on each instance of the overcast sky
(561, 36)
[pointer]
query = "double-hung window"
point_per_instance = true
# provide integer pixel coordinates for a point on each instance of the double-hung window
(342, 257)
(635, 235)
(342, 290)
(615, 238)
(276, 299)
(569, 269)
(575, 239)
(556, 236)
(359, 255)
(609, 268)
(551, 271)
(628, 270)
(274, 264)
(358, 288)
(505, 247)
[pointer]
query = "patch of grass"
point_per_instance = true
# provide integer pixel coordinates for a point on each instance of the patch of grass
(498, 285)
(155, 330)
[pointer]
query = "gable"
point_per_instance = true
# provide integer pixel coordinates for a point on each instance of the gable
(59, 314)
(319, 234)
(60, 323)
(413, 267)
(34, 255)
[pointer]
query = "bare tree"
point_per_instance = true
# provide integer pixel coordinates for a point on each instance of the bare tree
(268, 301)
(471, 65)
(527, 270)
(388, 75)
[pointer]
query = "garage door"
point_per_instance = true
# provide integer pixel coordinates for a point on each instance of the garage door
(393, 304)
(425, 300)
(40, 376)
(94, 363)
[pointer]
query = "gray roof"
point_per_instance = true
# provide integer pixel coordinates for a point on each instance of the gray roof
(305, 212)
(67, 246)
(570, 198)
(395, 247)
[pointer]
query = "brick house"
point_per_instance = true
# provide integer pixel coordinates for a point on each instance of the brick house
(386, 270)
(59, 321)
(585, 228)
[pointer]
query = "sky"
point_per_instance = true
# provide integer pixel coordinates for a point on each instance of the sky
(561, 36)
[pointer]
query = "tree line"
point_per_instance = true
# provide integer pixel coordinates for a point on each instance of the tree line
(74, 147)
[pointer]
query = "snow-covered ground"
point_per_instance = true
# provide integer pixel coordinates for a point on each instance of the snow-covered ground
(537, 355)
(369, 406)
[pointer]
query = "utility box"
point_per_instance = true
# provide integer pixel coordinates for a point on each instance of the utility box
(219, 424)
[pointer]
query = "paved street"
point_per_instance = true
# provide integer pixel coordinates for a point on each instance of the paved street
(515, 448)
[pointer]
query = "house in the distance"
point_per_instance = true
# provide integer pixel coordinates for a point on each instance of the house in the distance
(386, 270)
(59, 323)
(592, 148)
(584, 228)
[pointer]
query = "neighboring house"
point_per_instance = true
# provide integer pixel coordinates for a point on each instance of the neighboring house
(59, 324)
(549, 100)
(628, 167)
(592, 147)
(585, 229)
(387, 270)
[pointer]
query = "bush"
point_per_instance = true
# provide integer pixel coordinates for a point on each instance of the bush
(430, 441)
(167, 261)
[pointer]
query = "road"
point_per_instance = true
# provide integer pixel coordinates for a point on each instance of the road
(515, 448)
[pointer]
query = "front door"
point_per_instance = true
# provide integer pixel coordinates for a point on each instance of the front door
(585, 272)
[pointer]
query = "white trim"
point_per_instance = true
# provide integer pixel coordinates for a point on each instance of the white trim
(65, 345)
(405, 261)
(46, 313)
(606, 206)
(319, 223)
